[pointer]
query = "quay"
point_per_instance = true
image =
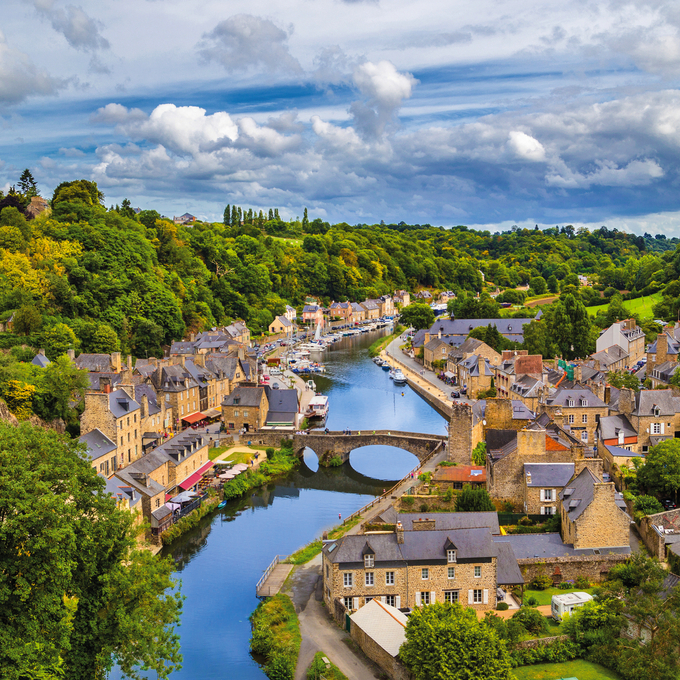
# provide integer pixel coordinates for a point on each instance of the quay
(274, 577)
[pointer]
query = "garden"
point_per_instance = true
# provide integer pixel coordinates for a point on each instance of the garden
(583, 670)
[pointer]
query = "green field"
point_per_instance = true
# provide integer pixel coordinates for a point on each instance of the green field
(545, 596)
(641, 306)
(582, 670)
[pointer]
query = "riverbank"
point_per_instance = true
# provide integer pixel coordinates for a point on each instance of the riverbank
(283, 462)
(311, 550)
(380, 344)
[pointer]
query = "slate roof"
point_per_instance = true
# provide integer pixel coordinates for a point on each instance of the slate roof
(349, 549)
(121, 491)
(673, 346)
(121, 403)
(172, 378)
(148, 390)
(310, 309)
(99, 363)
(476, 365)
(512, 329)
(182, 348)
(228, 365)
(98, 444)
(611, 426)
(508, 572)
(646, 400)
(548, 474)
(96, 378)
(610, 356)
(435, 343)
(527, 386)
(244, 396)
(561, 397)
(445, 521)
(527, 546)
(618, 451)
(579, 494)
(40, 360)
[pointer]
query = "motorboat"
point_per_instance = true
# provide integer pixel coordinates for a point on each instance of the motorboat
(386, 366)
(318, 407)
(391, 375)
(399, 377)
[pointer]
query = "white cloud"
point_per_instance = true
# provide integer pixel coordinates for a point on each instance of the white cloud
(80, 30)
(20, 77)
(608, 174)
(244, 41)
(525, 146)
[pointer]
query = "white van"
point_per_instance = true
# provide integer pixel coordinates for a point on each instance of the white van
(565, 604)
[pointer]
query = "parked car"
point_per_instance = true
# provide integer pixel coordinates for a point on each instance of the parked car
(275, 386)
(274, 371)
(455, 394)
(668, 504)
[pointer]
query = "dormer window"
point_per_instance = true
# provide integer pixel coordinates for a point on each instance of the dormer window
(657, 411)
(584, 402)
(450, 555)
(570, 402)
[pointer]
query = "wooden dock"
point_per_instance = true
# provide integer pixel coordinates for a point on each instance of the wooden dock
(274, 577)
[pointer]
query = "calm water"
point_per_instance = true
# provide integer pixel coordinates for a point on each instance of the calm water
(220, 562)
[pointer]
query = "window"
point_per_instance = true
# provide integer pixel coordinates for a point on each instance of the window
(348, 603)
(236, 413)
(548, 510)
(231, 426)
(369, 578)
(128, 421)
(451, 596)
(135, 419)
(245, 414)
(584, 418)
(389, 578)
(194, 404)
(121, 424)
(570, 402)
(425, 597)
(347, 580)
(452, 572)
(128, 437)
(121, 441)
(181, 410)
(367, 600)
(369, 561)
(478, 572)
(477, 596)
(136, 449)
(328, 571)
(656, 428)
(584, 436)
(571, 419)
(584, 402)
(391, 600)
(547, 494)
(129, 456)
(425, 574)
(450, 555)
(158, 502)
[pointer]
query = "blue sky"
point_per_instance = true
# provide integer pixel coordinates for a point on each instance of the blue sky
(488, 113)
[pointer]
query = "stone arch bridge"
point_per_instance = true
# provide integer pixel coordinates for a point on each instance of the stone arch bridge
(331, 444)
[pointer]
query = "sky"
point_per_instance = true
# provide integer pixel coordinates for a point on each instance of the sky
(487, 113)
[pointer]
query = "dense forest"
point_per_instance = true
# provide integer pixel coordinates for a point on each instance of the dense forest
(111, 278)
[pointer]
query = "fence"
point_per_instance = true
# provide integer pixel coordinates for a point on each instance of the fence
(175, 517)
(387, 493)
(277, 560)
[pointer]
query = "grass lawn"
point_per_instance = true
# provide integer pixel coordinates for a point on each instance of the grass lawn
(641, 306)
(213, 453)
(545, 596)
(583, 670)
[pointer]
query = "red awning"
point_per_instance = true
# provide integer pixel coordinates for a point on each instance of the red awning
(190, 481)
(194, 417)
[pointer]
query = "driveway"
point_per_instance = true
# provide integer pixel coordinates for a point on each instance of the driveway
(319, 633)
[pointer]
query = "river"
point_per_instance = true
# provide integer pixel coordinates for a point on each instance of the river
(220, 562)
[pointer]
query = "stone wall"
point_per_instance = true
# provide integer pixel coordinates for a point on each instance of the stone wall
(602, 523)
(460, 433)
(388, 663)
(656, 544)
(594, 567)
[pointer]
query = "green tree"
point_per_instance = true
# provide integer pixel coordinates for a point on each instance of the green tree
(553, 285)
(538, 285)
(305, 221)
(474, 500)
(27, 184)
(417, 315)
(647, 505)
(659, 471)
(479, 454)
(98, 338)
(61, 386)
(226, 217)
(621, 379)
(76, 591)
(126, 209)
(27, 320)
(580, 328)
(447, 642)
(467, 306)
(57, 340)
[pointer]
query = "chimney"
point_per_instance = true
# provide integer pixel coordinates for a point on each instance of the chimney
(192, 337)
(145, 406)
(399, 530)
(182, 360)
(241, 352)
(115, 362)
(578, 373)
(596, 365)
(71, 354)
(626, 401)
(607, 394)
(41, 352)
(105, 384)
(439, 333)
(199, 360)
(129, 362)
(661, 348)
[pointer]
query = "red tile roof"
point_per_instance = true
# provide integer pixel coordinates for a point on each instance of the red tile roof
(461, 473)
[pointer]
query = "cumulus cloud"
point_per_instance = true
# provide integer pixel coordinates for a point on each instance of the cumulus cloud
(20, 78)
(245, 41)
(81, 31)
(636, 173)
(525, 146)
(384, 89)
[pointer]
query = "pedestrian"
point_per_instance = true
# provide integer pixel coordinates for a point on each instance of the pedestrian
(339, 515)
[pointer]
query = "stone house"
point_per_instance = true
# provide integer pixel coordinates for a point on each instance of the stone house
(459, 476)
(290, 313)
(435, 350)
(101, 363)
(386, 305)
(117, 415)
(627, 336)
(154, 416)
(424, 296)
(281, 325)
(542, 483)
(653, 414)
(227, 372)
(577, 409)
(101, 451)
(612, 358)
(372, 309)
(245, 408)
(508, 451)
(358, 312)
(665, 348)
(177, 388)
(617, 430)
(413, 568)
(528, 390)
(402, 298)
(341, 310)
(445, 296)
(313, 314)
(661, 374)
(470, 347)
(475, 375)
(590, 515)
(239, 332)
(614, 457)
(513, 365)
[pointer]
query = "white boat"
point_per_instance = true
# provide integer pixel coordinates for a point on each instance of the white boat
(318, 407)
(312, 347)
(391, 374)
(399, 377)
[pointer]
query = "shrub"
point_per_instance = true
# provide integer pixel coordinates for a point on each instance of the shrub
(270, 452)
(532, 620)
(525, 521)
(424, 507)
(479, 454)
(582, 582)
(558, 652)
(540, 582)
(287, 444)
(647, 505)
(532, 601)
(566, 585)
(408, 500)
(503, 606)
(448, 496)
(335, 461)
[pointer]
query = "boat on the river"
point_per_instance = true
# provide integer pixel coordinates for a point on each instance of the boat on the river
(222, 504)
(399, 377)
(318, 407)
(386, 366)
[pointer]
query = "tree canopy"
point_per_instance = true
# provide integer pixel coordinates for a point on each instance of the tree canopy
(418, 315)
(76, 594)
